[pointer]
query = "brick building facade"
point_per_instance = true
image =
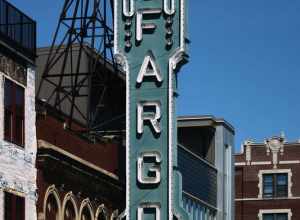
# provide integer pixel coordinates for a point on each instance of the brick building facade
(76, 178)
(267, 180)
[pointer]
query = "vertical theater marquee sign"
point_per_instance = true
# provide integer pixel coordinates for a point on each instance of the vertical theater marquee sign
(149, 45)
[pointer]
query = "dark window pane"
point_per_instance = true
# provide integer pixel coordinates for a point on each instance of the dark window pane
(268, 185)
(19, 130)
(14, 113)
(20, 208)
(19, 100)
(283, 216)
(281, 179)
(8, 125)
(281, 185)
(8, 96)
(14, 207)
(8, 206)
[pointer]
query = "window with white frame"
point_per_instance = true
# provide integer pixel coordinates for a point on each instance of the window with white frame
(14, 207)
(275, 214)
(14, 102)
(276, 183)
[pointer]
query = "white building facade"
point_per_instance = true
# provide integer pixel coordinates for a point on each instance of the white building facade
(17, 115)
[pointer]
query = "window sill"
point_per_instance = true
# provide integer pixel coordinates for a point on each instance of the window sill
(20, 147)
(275, 198)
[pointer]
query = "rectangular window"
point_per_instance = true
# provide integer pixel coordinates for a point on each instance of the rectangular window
(13, 113)
(14, 207)
(277, 216)
(275, 185)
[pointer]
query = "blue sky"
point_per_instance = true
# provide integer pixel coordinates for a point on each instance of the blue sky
(244, 62)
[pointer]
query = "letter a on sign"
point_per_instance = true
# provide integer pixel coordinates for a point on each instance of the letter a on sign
(149, 68)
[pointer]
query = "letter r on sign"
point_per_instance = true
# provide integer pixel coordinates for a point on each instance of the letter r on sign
(152, 117)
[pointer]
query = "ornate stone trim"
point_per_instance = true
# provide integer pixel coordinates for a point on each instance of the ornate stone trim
(69, 197)
(52, 191)
(86, 203)
(275, 145)
(248, 152)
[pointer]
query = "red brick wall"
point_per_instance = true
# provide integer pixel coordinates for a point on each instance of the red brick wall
(104, 155)
(246, 183)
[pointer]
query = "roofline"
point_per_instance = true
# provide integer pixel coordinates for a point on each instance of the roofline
(46, 145)
(210, 118)
(45, 50)
(260, 144)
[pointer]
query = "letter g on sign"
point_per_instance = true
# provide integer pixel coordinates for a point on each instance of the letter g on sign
(154, 169)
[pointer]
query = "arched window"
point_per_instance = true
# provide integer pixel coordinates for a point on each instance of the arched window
(86, 211)
(52, 208)
(52, 204)
(70, 211)
(101, 213)
(86, 214)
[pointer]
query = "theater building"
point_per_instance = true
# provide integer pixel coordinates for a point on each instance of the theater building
(205, 160)
(17, 114)
(267, 180)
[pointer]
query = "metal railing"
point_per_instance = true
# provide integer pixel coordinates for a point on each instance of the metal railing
(17, 29)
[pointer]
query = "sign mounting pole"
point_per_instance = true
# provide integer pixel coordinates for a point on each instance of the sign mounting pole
(149, 44)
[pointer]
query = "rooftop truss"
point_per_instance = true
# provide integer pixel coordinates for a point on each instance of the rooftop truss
(80, 68)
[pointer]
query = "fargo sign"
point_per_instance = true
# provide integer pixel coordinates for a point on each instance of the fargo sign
(149, 45)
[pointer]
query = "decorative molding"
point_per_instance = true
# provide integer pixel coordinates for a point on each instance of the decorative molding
(261, 163)
(261, 199)
(45, 145)
(254, 163)
(275, 145)
(101, 209)
(274, 211)
(86, 203)
(289, 162)
(69, 197)
(240, 164)
(248, 152)
(262, 172)
(52, 191)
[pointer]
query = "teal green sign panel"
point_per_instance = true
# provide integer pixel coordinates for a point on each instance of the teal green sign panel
(149, 45)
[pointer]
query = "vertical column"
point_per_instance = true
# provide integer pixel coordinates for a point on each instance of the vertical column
(1, 108)
(1, 204)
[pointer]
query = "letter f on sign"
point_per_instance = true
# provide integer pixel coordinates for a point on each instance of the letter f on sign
(140, 26)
